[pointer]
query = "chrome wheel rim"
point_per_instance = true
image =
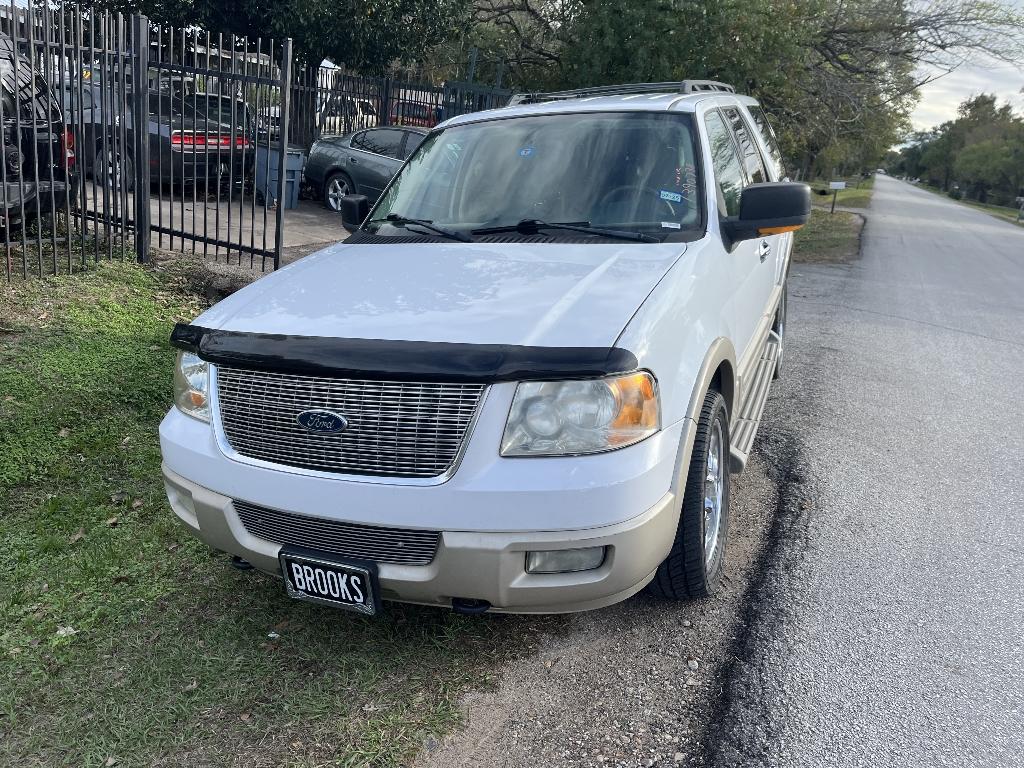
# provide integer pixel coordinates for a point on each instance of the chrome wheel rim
(714, 487)
(336, 189)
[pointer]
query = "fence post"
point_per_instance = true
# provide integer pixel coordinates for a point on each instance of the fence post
(140, 130)
(384, 118)
(282, 157)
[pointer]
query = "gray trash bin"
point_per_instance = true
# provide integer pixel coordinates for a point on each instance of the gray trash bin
(267, 178)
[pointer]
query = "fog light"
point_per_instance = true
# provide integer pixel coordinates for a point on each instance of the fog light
(565, 560)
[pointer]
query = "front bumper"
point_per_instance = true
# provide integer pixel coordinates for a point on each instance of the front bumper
(471, 565)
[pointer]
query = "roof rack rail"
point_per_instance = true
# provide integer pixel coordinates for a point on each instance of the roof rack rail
(682, 87)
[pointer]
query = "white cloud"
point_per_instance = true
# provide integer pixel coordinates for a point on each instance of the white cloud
(940, 98)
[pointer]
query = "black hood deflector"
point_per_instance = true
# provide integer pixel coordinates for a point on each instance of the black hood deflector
(399, 360)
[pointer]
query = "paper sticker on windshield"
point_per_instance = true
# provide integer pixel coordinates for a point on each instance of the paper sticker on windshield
(671, 225)
(526, 152)
(672, 197)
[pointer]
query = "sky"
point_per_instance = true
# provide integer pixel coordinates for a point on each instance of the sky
(939, 98)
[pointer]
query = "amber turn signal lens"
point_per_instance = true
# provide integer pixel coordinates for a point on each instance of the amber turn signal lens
(778, 230)
(638, 405)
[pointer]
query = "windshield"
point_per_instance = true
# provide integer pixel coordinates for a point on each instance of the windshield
(625, 170)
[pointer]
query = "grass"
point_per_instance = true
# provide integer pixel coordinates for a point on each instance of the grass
(999, 211)
(828, 237)
(122, 638)
(856, 195)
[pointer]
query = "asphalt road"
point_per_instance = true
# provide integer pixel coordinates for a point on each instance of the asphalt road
(889, 628)
(874, 610)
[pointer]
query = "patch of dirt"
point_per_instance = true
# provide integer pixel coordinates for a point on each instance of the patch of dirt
(630, 685)
(213, 280)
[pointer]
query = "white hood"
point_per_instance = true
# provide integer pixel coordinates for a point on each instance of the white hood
(549, 294)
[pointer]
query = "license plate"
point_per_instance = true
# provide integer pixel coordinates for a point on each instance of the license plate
(324, 578)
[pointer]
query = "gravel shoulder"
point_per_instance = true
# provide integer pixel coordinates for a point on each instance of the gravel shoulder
(628, 685)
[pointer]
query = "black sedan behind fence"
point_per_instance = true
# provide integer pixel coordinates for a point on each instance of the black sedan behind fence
(119, 134)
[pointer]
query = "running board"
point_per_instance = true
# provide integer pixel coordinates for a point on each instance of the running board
(755, 395)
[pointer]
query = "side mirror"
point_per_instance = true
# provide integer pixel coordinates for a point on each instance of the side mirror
(354, 210)
(769, 209)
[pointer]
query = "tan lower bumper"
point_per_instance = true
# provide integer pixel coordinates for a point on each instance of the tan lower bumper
(487, 566)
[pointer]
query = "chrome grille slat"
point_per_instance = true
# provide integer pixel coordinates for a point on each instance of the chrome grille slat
(365, 542)
(395, 428)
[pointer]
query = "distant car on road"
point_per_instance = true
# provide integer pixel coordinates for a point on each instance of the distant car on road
(359, 163)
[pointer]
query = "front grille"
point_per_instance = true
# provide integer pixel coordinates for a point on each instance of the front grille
(395, 428)
(365, 542)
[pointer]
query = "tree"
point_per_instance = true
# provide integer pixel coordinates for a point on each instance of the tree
(839, 75)
(981, 152)
(368, 35)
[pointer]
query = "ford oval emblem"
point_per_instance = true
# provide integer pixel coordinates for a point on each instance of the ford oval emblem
(322, 421)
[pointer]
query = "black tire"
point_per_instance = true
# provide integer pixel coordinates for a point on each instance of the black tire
(110, 167)
(779, 326)
(687, 573)
(344, 181)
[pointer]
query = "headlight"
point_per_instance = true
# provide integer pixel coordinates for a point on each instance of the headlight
(192, 385)
(558, 418)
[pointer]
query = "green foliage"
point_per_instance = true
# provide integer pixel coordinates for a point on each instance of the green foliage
(837, 75)
(980, 155)
(368, 35)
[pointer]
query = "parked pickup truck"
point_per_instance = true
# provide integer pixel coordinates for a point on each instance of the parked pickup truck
(524, 380)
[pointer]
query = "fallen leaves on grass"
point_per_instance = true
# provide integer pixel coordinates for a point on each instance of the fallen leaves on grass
(77, 536)
(66, 631)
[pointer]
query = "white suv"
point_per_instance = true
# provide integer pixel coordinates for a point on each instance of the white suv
(523, 382)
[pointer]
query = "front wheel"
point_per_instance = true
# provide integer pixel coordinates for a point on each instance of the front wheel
(336, 187)
(694, 565)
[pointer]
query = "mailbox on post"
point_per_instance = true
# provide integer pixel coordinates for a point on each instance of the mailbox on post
(835, 186)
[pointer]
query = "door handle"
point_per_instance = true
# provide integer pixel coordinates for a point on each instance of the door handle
(353, 160)
(763, 250)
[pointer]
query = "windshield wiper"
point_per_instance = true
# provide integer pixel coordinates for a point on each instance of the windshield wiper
(533, 226)
(399, 220)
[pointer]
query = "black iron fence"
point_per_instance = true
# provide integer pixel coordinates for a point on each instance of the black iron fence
(217, 148)
(118, 134)
(327, 100)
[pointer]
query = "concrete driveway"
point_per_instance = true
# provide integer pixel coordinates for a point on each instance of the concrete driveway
(235, 220)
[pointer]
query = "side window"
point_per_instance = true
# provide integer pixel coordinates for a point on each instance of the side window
(359, 141)
(726, 163)
(162, 106)
(748, 147)
(383, 141)
(774, 153)
(412, 140)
